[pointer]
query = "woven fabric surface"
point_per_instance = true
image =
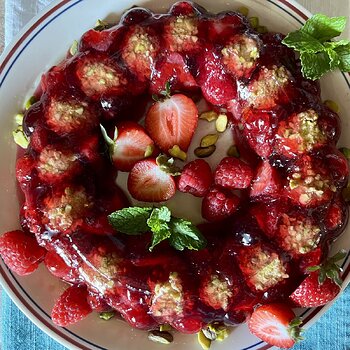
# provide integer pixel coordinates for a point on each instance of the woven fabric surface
(331, 332)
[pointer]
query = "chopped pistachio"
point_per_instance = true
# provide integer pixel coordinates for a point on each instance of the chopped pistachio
(107, 315)
(204, 341)
(262, 29)
(221, 123)
(254, 22)
(233, 151)
(209, 116)
(209, 140)
(19, 119)
(100, 25)
(203, 152)
(216, 331)
(165, 328)
(30, 102)
(177, 152)
(243, 10)
(20, 138)
(74, 48)
(160, 337)
(345, 151)
(149, 151)
(167, 165)
(332, 105)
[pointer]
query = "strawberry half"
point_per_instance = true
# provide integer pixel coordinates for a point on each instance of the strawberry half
(151, 180)
(172, 121)
(130, 144)
(322, 285)
(266, 182)
(275, 324)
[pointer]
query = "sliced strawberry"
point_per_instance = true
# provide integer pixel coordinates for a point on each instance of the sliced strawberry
(259, 132)
(100, 40)
(98, 74)
(312, 258)
(195, 178)
(322, 285)
(172, 68)
(139, 51)
(336, 217)
(149, 183)
(275, 324)
(232, 173)
(58, 267)
(240, 54)
(224, 26)
(267, 182)
(299, 133)
(97, 302)
(219, 204)
(186, 8)
(172, 122)
(130, 144)
(135, 15)
(217, 86)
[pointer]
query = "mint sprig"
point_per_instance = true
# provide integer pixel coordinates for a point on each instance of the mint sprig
(137, 220)
(320, 54)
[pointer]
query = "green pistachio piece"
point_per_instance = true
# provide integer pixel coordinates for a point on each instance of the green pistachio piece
(203, 152)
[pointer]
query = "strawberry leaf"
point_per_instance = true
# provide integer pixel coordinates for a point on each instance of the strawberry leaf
(294, 329)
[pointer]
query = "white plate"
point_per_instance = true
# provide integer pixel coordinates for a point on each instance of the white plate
(42, 43)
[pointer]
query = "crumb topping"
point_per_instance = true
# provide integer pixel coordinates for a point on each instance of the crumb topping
(298, 236)
(63, 211)
(305, 130)
(217, 293)
(67, 116)
(263, 269)
(98, 77)
(183, 30)
(55, 162)
(168, 298)
(269, 84)
(240, 54)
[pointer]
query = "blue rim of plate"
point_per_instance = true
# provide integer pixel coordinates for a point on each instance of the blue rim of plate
(46, 323)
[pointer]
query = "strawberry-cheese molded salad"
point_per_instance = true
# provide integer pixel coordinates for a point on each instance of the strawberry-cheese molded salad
(209, 106)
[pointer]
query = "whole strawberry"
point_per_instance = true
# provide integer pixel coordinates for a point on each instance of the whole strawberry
(71, 306)
(21, 252)
(321, 286)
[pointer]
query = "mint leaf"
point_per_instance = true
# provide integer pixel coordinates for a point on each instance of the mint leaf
(335, 44)
(186, 235)
(132, 221)
(343, 53)
(324, 28)
(158, 223)
(315, 65)
(301, 41)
